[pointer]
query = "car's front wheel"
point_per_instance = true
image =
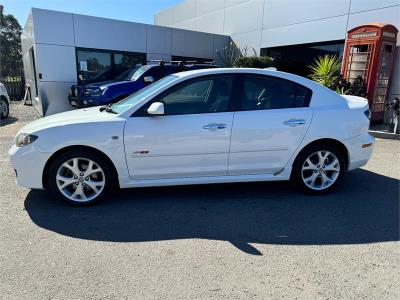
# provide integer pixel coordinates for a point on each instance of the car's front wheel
(80, 177)
(319, 169)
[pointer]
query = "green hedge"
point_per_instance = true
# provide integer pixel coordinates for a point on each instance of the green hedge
(260, 62)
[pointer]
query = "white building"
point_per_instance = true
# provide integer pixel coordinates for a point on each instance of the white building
(295, 30)
(56, 47)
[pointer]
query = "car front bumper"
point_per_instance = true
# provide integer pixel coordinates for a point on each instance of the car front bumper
(360, 150)
(81, 103)
(29, 165)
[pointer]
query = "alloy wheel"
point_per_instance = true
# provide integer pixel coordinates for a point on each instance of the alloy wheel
(80, 179)
(320, 170)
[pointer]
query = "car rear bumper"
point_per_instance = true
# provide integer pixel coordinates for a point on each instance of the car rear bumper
(360, 150)
(29, 165)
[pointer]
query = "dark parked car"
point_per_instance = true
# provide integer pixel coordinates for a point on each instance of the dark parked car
(128, 82)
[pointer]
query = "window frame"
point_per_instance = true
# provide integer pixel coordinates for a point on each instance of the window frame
(243, 76)
(110, 52)
(142, 111)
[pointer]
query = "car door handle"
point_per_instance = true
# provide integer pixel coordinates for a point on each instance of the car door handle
(214, 126)
(294, 122)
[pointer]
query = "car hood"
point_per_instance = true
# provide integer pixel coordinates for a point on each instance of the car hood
(118, 83)
(79, 116)
(93, 85)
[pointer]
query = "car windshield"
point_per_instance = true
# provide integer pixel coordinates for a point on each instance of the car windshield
(139, 72)
(131, 100)
(127, 74)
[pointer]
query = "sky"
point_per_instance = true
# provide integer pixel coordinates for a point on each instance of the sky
(141, 11)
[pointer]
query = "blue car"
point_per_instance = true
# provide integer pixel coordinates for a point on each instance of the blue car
(130, 81)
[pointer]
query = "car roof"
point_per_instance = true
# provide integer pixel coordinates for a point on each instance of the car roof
(176, 66)
(288, 76)
(211, 71)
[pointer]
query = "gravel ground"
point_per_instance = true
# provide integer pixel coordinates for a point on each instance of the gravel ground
(231, 241)
(20, 113)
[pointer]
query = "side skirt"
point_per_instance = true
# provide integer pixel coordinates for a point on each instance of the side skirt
(126, 182)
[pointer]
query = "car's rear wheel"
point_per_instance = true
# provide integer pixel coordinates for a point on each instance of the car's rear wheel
(80, 177)
(4, 108)
(319, 169)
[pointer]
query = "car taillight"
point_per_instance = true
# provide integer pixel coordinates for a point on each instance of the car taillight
(367, 113)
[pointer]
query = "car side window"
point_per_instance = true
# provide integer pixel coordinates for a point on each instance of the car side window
(262, 92)
(206, 95)
(156, 72)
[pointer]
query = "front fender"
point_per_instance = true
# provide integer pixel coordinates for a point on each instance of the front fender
(106, 137)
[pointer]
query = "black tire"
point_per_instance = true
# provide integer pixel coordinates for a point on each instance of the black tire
(4, 114)
(108, 175)
(297, 175)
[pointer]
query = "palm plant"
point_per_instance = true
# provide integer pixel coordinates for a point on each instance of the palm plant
(325, 70)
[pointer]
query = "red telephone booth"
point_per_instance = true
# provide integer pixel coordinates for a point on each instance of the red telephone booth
(369, 53)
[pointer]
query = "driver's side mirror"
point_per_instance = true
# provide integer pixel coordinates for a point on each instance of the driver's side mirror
(148, 79)
(156, 109)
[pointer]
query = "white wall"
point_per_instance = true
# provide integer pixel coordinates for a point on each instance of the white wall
(27, 43)
(262, 22)
(55, 35)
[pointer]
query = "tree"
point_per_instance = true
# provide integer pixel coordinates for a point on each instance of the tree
(10, 41)
(231, 53)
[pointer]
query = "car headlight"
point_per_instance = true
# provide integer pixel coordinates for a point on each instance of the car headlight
(24, 139)
(95, 92)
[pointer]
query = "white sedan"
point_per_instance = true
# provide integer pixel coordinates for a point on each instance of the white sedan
(198, 127)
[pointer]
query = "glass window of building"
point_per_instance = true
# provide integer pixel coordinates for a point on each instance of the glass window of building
(124, 61)
(296, 59)
(103, 65)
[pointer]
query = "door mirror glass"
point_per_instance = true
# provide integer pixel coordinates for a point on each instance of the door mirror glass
(148, 79)
(156, 109)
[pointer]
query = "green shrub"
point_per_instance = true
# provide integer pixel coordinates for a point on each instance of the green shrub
(259, 62)
(325, 70)
(357, 88)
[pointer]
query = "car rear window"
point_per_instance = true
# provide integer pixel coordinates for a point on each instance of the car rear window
(266, 92)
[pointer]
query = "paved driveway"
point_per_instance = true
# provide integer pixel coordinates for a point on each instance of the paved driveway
(253, 240)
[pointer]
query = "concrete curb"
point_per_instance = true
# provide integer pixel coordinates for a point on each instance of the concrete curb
(384, 135)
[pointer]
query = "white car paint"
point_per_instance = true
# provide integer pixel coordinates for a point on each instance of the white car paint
(253, 145)
(259, 147)
(4, 94)
(178, 147)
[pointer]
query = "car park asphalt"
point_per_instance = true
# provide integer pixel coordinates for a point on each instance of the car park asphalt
(253, 240)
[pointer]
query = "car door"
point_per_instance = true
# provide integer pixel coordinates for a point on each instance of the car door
(191, 139)
(272, 119)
